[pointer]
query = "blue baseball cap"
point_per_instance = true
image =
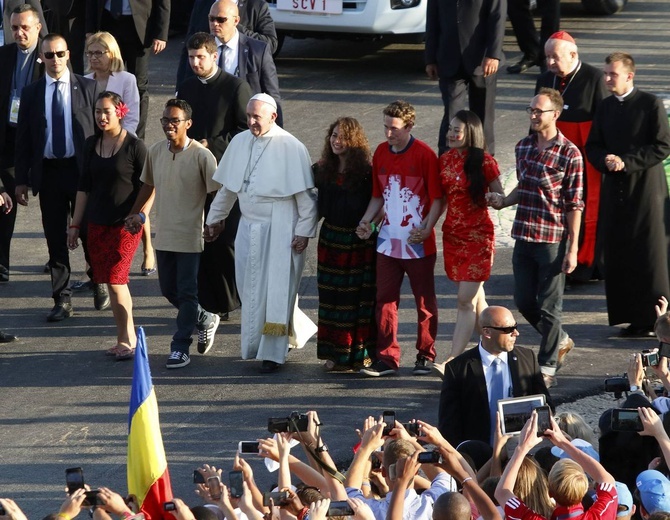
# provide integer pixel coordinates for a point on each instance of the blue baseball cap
(581, 444)
(654, 488)
(625, 498)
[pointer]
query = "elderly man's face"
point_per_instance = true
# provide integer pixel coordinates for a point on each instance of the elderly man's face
(561, 57)
(260, 117)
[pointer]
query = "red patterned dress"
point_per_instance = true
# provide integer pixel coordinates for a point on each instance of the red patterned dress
(468, 238)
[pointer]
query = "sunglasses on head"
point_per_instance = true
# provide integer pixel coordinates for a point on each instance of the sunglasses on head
(504, 330)
(218, 19)
(59, 54)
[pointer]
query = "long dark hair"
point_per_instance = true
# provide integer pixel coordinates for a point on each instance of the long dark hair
(352, 137)
(474, 163)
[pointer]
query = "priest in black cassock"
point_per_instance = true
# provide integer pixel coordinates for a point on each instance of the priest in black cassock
(219, 101)
(628, 142)
(583, 88)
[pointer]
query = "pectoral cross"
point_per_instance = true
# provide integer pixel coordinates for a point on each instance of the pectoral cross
(246, 183)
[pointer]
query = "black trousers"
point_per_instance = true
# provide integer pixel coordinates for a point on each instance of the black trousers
(135, 56)
(477, 92)
(7, 220)
(521, 16)
(57, 195)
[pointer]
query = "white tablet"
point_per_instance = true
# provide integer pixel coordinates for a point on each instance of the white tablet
(515, 411)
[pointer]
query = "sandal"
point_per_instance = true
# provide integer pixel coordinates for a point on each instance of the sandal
(148, 271)
(125, 353)
(114, 350)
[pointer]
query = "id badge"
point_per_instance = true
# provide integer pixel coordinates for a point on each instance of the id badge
(14, 109)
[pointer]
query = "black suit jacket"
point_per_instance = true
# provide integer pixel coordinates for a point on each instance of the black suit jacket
(151, 17)
(31, 128)
(257, 67)
(464, 403)
(219, 109)
(7, 64)
(459, 32)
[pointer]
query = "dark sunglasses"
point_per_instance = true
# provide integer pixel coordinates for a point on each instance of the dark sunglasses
(218, 19)
(50, 55)
(504, 330)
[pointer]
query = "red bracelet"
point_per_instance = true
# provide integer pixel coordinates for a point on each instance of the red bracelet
(303, 513)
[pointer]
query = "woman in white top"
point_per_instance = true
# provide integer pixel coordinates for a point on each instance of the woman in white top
(106, 68)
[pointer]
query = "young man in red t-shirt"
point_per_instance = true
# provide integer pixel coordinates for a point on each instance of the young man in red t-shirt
(406, 184)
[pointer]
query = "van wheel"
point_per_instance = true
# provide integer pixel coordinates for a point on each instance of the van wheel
(601, 7)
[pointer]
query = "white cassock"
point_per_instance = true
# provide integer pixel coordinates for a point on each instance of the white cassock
(271, 175)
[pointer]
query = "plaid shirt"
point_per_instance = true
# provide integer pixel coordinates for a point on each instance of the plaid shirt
(550, 185)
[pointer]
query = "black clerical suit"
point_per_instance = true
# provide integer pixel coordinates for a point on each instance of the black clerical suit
(459, 35)
(8, 59)
(464, 404)
(635, 207)
(55, 180)
(255, 22)
(135, 35)
(219, 113)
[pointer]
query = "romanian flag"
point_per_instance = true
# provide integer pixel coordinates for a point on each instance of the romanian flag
(148, 477)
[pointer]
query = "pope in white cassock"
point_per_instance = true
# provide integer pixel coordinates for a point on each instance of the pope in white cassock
(269, 171)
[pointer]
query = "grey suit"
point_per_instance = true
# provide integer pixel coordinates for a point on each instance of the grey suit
(459, 35)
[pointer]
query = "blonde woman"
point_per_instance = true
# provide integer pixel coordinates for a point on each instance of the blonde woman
(106, 66)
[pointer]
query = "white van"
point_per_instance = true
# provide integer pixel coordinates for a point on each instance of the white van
(352, 19)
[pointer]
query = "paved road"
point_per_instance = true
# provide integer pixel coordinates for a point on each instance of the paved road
(64, 404)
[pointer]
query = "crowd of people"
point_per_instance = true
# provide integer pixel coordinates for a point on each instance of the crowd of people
(555, 469)
(250, 197)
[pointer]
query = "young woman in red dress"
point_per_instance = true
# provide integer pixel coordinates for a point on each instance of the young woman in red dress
(467, 173)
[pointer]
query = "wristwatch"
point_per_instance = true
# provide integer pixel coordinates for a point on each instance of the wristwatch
(322, 448)
(634, 388)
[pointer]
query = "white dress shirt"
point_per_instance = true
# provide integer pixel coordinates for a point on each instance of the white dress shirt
(230, 54)
(67, 105)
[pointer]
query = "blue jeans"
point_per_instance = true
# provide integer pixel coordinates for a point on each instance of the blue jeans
(538, 294)
(178, 279)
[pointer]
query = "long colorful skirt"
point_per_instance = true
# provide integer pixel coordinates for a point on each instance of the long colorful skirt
(347, 285)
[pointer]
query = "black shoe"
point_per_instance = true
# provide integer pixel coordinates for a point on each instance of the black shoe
(60, 311)
(225, 316)
(525, 64)
(47, 269)
(378, 369)
(268, 367)
(422, 366)
(635, 331)
(4, 274)
(6, 338)
(177, 359)
(101, 297)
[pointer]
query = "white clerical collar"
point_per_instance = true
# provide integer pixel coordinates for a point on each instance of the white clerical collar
(621, 98)
(29, 50)
(487, 357)
(214, 71)
(65, 78)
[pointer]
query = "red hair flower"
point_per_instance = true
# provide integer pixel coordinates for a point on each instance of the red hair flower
(122, 110)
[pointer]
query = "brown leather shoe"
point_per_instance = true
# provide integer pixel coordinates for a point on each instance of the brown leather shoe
(564, 348)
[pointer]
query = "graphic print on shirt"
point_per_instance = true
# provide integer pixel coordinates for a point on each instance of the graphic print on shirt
(404, 211)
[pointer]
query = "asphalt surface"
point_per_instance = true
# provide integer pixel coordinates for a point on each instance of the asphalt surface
(65, 404)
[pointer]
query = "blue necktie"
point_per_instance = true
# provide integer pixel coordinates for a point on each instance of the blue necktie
(497, 391)
(58, 122)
